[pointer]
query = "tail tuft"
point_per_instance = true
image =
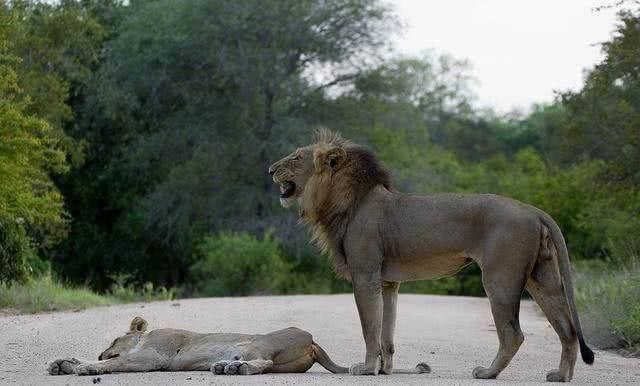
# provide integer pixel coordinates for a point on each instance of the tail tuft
(423, 368)
(586, 353)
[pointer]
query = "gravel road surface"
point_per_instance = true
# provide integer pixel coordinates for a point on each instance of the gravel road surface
(451, 334)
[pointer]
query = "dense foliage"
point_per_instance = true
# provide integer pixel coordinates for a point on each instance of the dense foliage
(135, 138)
(238, 265)
(31, 207)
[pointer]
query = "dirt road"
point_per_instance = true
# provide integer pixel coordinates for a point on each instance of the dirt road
(451, 334)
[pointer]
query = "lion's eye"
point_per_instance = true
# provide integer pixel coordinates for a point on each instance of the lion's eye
(296, 158)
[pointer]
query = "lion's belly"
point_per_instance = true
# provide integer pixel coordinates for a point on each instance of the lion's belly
(421, 268)
(199, 357)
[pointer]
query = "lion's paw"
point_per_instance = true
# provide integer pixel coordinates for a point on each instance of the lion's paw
(386, 371)
(555, 376)
(387, 364)
(63, 366)
(362, 369)
(87, 369)
(237, 368)
(218, 367)
(483, 373)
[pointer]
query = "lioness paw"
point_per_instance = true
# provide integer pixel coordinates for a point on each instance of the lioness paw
(63, 366)
(237, 368)
(555, 376)
(218, 367)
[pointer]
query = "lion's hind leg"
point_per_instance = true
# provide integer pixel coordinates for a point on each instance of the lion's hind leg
(504, 281)
(505, 315)
(240, 367)
(545, 288)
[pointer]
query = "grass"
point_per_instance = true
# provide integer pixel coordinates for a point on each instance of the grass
(608, 296)
(48, 294)
(45, 294)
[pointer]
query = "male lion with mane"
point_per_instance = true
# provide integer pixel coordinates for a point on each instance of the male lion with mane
(378, 238)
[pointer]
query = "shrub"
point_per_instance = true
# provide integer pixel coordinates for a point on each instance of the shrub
(608, 296)
(311, 273)
(123, 289)
(467, 282)
(15, 249)
(238, 264)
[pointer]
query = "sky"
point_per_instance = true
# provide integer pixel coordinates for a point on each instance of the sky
(520, 50)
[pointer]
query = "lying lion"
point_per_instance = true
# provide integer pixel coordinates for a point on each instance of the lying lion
(379, 238)
(290, 350)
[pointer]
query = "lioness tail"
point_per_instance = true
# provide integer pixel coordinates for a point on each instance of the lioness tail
(323, 358)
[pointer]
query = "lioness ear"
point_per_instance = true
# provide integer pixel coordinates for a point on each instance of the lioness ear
(330, 158)
(138, 325)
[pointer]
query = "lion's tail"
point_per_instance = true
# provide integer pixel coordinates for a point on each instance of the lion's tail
(323, 358)
(421, 368)
(567, 282)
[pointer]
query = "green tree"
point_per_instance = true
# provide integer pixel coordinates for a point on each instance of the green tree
(191, 102)
(31, 207)
(59, 45)
(604, 116)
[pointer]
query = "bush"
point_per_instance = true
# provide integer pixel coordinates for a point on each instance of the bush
(311, 273)
(14, 251)
(231, 264)
(608, 296)
(123, 289)
(467, 282)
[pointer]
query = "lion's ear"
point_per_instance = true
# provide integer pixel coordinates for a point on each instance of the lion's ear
(138, 325)
(331, 158)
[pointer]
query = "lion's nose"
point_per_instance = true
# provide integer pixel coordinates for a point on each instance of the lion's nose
(272, 170)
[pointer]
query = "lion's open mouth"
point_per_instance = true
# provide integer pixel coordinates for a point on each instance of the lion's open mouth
(287, 189)
(111, 356)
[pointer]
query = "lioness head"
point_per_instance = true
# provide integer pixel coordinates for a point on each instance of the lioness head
(127, 342)
(293, 172)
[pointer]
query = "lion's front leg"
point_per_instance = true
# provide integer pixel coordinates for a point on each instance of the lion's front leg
(139, 361)
(390, 301)
(148, 360)
(367, 289)
(74, 366)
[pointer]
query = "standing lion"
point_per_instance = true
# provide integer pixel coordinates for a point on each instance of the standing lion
(379, 238)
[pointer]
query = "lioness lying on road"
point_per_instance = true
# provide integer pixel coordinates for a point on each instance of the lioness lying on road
(290, 350)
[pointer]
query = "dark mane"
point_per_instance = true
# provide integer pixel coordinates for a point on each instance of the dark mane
(333, 200)
(368, 171)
